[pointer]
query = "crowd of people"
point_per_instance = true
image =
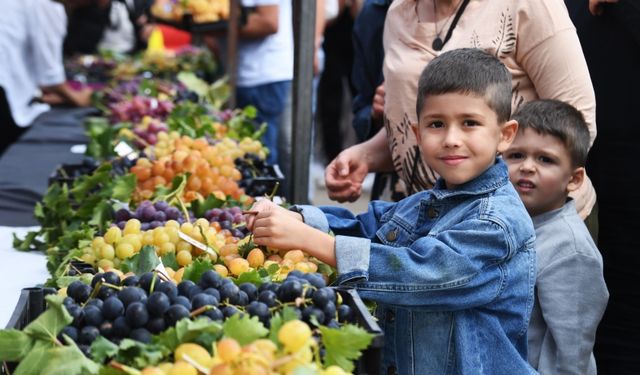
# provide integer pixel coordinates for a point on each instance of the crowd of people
(501, 133)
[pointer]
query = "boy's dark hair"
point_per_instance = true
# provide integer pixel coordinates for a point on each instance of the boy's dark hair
(560, 120)
(468, 71)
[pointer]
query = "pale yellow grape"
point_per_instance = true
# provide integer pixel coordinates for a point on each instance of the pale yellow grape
(167, 248)
(97, 242)
(124, 250)
(113, 235)
(132, 226)
(134, 239)
(186, 228)
(165, 367)
(107, 252)
(172, 224)
(222, 270)
(182, 368)
(151, 371)
(105, 264)
(116, 262)
(204, 223)
(334, 370)
(194, 351)
(147, 238)
(161, 238)
(303, 267)
(238, 266)
(174, 238)
(184, 258)
(183, 246)
(294, 335)
(88, 258)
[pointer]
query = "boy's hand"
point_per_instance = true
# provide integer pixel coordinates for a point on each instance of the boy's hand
(278, 229)
(265, 205)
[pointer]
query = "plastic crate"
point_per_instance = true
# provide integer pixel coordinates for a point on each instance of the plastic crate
(67, 173)
(261, 185)
(369, 362)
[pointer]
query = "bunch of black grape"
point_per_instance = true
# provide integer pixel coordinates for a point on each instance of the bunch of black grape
(228, 218)
(78, 267)
(138, 307)
(151, 215)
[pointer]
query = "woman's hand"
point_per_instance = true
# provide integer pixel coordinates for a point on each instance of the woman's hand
(595, 6)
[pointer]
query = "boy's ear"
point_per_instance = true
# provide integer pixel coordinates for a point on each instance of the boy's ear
(416, 131)
(507, 135)
(577, 178)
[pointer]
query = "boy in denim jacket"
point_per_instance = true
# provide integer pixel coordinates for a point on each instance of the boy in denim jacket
(452, 268)
(546, 162)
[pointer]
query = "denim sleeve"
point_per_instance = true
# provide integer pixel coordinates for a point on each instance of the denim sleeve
(460, 268)
(353, 235)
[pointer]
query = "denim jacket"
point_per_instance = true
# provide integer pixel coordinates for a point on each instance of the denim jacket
(452, 271)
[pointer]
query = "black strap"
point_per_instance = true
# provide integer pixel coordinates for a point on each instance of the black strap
(455, 21)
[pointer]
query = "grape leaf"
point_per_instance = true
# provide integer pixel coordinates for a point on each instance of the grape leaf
(169, 260)
(195, 270)
(257, 277)
(139, 355)
(67, 360)
(101, 349)
(48, 325)
(193, 83)
(144, 261)
(344, 345)
(187, 330)
(33, 362)
(14, 345)
(123, 187)
(244, 329)
(200, 206)
(286, 314)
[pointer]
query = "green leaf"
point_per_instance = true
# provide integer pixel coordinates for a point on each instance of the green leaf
(344, 345)
(286, 314)
(168, 339)
(101, 349)
(48, 325)
(85, 184)
(195, 270)
(140, 355)
(144, 261)
(29, 243)
(193, 83)
(257, 277)
(305, 370)
(188, 330)
(244, 329)
(123, 187)
(14, 345)
(169, 260)
(68, 360)
(33, 362)
(102, 213)
(199, 206)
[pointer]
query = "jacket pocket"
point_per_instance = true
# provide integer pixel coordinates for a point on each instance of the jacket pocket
(394, 234)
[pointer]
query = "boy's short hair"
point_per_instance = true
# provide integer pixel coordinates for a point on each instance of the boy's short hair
(560, 120)
(468, 71)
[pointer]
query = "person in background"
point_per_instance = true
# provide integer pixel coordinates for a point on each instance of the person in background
(452, 269)
(265, 64)
(32, 75)
(116, 25)
(534, 39)
(546, 162)
(609, 33)
(367, 80)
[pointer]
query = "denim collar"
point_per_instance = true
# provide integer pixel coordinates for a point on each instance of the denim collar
(496, 176)
(381, 2)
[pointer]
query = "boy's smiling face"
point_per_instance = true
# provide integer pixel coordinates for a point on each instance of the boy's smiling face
(459, 136)
(541, 171)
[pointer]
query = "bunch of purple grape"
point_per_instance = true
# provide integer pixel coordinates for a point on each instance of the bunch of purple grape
(137, 107)
(229, 218)
(149, 134)
(151, 215)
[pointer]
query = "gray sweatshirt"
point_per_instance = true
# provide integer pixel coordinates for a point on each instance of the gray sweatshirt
(571, 295)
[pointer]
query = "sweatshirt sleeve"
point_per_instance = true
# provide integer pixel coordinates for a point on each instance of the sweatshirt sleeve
(572, 296)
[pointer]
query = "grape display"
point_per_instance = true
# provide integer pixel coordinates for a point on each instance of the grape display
(142, 306)
(151, 215)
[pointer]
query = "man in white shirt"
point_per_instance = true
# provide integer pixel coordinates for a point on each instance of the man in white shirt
(31, 37)
(265, 64)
